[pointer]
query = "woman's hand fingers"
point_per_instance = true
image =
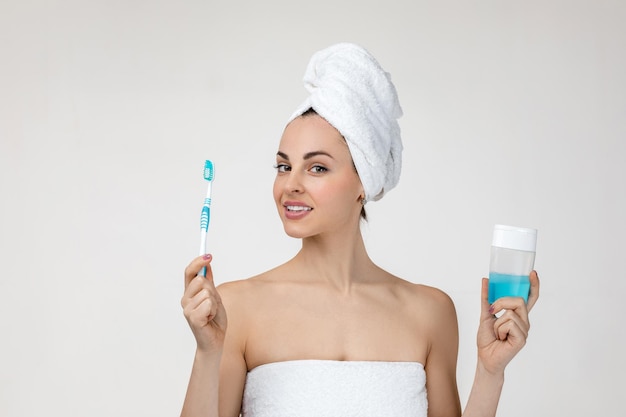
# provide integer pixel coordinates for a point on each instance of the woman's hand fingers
(510, 321)
(196, 265)
(194, 300)
(512, 333)
(485, 312)
(501, 338)
(511, 306)
(202, 308)
(200, 290)
(202, 305)
(196, 285)
(534, 289)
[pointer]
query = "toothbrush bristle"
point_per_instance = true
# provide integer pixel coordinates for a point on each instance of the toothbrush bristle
(209, 172)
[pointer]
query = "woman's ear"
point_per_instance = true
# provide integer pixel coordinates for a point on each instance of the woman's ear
(361, 198)
(361, 194)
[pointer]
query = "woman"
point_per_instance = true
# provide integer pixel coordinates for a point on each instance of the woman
(329, 332)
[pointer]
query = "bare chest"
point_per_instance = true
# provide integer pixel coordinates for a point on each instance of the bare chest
(334, 328)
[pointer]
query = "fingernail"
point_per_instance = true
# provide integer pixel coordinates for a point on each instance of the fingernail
(207, 256)
(491, 309)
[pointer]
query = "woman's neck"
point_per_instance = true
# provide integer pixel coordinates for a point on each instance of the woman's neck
(340, 260)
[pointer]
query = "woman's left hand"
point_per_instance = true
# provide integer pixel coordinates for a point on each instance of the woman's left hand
(500, 339)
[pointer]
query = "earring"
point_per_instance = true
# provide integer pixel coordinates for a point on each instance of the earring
(362, 200)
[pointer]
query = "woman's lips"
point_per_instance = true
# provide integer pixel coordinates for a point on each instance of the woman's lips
(296, 210)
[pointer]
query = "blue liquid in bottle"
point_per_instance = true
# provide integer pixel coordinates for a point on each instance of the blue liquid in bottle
(505, 285)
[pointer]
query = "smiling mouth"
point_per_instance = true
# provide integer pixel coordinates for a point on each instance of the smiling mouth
(298, 208)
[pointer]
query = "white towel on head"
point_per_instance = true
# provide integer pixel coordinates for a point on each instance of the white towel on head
(353, 93)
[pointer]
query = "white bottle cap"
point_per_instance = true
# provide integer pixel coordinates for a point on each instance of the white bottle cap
(511, 237)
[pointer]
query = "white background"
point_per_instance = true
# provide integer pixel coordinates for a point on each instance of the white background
(515, 113)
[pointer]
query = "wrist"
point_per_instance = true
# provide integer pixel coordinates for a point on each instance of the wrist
(208, 356)
(486, 374)
(485, 395)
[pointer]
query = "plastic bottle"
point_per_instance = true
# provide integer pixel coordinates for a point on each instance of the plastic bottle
(512, 260)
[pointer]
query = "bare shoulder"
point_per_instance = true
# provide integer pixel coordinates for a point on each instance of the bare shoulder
(424, 293)
(243, 300)
(246, 292)
(232, 290)
(238, 293)
(429, 302)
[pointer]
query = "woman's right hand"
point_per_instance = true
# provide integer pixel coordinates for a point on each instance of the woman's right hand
(202, 306)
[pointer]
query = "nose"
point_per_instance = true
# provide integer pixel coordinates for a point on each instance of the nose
(293, 182)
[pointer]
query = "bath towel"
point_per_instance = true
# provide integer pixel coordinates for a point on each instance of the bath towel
(326, 388)
(350, 90)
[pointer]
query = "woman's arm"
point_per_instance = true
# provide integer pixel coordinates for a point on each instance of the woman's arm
(202, 397)
(216, 384)
(443, 336)
(499, 340)
(218, 373)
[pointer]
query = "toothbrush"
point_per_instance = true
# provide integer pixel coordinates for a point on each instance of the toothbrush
(209, 174)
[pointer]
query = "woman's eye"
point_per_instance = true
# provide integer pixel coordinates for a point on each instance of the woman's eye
(318, 169)
(282, 167)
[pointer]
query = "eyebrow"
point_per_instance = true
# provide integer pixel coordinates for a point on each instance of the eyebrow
(307, 155)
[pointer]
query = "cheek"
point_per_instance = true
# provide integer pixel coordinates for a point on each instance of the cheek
(276, 190)
(346, 189)
(352, 184)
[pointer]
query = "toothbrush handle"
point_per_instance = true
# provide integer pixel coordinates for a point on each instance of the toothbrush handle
(205, 216)
(204, 226)
(203, 234)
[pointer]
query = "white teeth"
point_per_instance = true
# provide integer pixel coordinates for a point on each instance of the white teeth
(298, 208)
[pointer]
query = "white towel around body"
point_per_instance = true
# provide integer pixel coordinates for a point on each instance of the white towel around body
(326, 388)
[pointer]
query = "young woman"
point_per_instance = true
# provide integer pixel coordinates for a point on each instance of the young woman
(329, 332)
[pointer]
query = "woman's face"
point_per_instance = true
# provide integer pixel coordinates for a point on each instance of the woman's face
(317, 189)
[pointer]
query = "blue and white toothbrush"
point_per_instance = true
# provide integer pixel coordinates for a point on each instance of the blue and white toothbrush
(209, 174)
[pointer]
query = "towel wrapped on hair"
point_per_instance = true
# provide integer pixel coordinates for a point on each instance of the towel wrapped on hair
(352, 92)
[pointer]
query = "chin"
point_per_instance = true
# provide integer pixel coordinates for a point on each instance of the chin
(295, 232)
(298, 230)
